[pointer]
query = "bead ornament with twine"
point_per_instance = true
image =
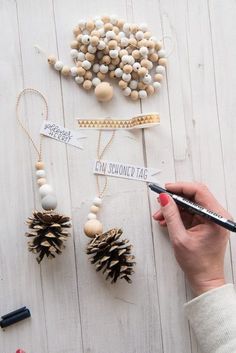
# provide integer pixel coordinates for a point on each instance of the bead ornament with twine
(47, 229)
(110, 47)
(108, 251)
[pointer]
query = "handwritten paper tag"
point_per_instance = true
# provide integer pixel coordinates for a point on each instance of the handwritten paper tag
(62, 134)
(127, 171)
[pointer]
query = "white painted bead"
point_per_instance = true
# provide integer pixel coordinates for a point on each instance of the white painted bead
(125, 59)
(142, 94)
(143, 27)
(110, 35)
(79, 80)
(124, 42)
(160, 69)
(127, 91)
(103, 69)
(81, 24)
(118, 72)
(99, 24)
(40, 173)
(161, 53)
(85, 39)
(126, 27)
(91, 216)
(131, 60)
(96, 81)
(139, 35)
(101, 45)
(147, 79)
(96, 68)
(113, 53)
(92, 49)
(121, 34)
(154, 39)
(114, 19)
(86, 64)
(102, 32)
(74, 71)
(74, 53)
(45, 189)
(81, 56)
(136, 66)
(49, 202)
(58, 65)
(97, 201)
(133, 84)
(143, 51)
(126, 77)
(156, 85)
(111, 67)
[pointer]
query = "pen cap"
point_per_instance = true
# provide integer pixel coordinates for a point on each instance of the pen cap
(14, 317)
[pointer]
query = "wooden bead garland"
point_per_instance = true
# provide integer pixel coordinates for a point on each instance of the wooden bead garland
(109, 47)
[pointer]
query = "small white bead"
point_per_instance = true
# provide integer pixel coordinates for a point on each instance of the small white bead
(81, 24)
(142, 94)
(101, 45)
(81, 56)
(143, 51)
(49, 202)
(96, 68)
(133, 84)
(126, 77)
(58, 65)
(99, 24)
(118, 72)
(74, 71)
(103, 69)
(114, 19)
(136, 66)
(110, 35)
(111, 67)
(126, 27)
(45, 189)
(153, 39)
(121, 34)
(130, 60)
(86, 64)
(160, 69)
(156, 85)
(79, 80)
(102, 32)
(124, 42)
(113, 53)
(74, 53)
(40, 173)
(143, 27)
(127, 91)
(92, 49)
(161, 53)
(125, 59)
(96, 81)
(97, 201)
(91, 216)
(147, 79)
(85, 39)
(139, 35)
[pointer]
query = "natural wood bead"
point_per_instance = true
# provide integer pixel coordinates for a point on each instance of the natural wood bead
(112, 44)
(133, 42)
(94, 209)
(74, 44)
(123, 84)
(142, 43)
(52, 59)
(79, 38)
(79, 63)
(90, 26)
(39, 165)
(93, 227)
(115, 61)
(130, 50)
(101, 76)
(158, 45)
(90, 57)
(150, 90)
(104, 92)
(127, 69)
(123, 52)
(41, 181)
(84, 48)
(158, 77)
(147, 63)
(112, 74)
(142, 71)
(105, 18)
(162, 61)
(153, 57)
(76, 31)
(133, 28)
(88, 75)
(116, 30)
(134, 95)
(135, 76)
(87, 84)
(65, 71)
(108, 27)
(81, 71)
(120, 23)
(94, 40)
(147, 35)
(141, 85)
(136, 54)
(106, 60)
(150, 44)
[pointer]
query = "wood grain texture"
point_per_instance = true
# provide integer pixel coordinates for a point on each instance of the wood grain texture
(73, 308)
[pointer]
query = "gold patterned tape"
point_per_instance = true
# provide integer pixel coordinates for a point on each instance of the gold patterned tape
(140, 121)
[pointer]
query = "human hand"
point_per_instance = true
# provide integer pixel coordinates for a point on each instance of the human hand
(199, 244)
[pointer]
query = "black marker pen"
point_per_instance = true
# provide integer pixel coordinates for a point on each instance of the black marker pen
(192, 207)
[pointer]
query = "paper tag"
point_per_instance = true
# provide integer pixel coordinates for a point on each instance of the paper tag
(127, 171)
(60, 133)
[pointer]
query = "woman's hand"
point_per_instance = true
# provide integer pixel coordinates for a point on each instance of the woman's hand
(199, 244)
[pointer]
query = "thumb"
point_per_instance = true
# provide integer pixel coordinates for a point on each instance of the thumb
(172, 216)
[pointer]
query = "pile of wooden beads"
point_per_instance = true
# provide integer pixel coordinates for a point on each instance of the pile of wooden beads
(48, 198)
(110, 46)
(93, 225)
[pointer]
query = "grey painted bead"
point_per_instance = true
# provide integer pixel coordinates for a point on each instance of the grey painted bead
(49, 202)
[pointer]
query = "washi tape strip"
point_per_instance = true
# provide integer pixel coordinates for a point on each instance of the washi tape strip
(137, 122)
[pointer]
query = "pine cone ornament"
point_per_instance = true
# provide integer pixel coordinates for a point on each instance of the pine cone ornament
(112, 255)
(48, 232)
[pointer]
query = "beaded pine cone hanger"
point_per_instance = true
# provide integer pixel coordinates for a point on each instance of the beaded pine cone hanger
(48, 230)
(108, 251)
(109, 46)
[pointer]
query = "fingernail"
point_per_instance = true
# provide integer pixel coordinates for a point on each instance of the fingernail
(164, 199)
(155, 215)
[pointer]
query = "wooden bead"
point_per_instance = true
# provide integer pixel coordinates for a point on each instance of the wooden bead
(133, 28)
(123, 84)
(90, 57)
(153, 57)
(104, 92)
(158, 77)
(88, 75)
(94, 40)
(112, 74)
(134, 95)
(116, 30)
(112, 44)
(150, 44)
(40, 173)
(79, 38)
(133, 42)
(115, 61)
(120, 23)
(65, 71)
(79, 63)
(90, 26)
(135, 76)
(147, 35)
(147, 63)
(74, 44)
(128, 69)
(150, 90)
(87, 84)
(158, 45)
(141, 85)
(49, 202)
(39, 165)
(94, 209)
(93, 227)
(162, 61)
(101, 76)
(41, 181)
(76, 31)
(136, 54)
(81, 71)
(84, 48)
(106, 60)
(45, 190)
(142, 71)
(105, 18)
(52, 59)
(108, 27)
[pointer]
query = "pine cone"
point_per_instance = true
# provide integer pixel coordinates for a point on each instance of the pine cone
(112, 255)
(48, 232)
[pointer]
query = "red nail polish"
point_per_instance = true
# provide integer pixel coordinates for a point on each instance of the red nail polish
(164, 199)
(20, 351)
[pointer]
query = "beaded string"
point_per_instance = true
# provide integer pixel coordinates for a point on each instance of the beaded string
(21, 94)
(100, 154)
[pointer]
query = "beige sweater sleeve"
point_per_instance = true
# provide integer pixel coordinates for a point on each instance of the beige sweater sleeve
(212, 316)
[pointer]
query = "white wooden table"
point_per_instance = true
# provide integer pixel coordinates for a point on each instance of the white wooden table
(73, 309)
